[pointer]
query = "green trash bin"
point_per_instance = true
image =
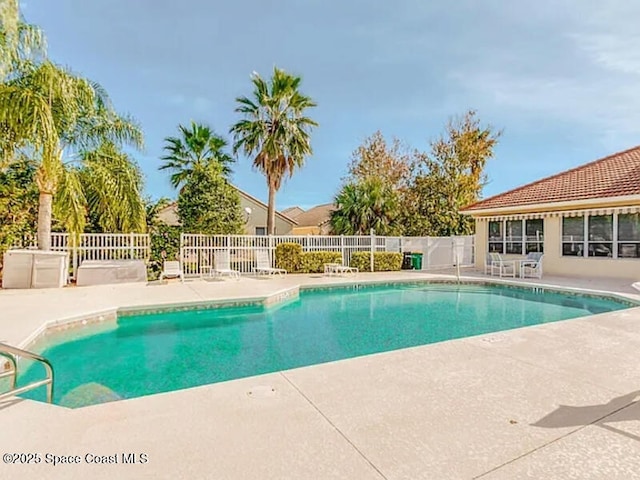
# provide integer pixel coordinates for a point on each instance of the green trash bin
(416, 260)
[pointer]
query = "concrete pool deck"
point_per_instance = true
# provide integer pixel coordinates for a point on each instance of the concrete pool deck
(560, 400)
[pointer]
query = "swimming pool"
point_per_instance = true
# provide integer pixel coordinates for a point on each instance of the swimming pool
(146, 354)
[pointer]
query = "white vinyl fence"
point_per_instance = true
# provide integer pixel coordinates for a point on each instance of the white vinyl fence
(102, 246)
(197, 252)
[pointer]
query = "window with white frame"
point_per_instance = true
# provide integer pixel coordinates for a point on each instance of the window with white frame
(573, 236)
(629, 235)
(609, 236)
(496, 241)
(516, 236)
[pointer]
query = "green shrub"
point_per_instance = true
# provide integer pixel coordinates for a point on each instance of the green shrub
(382, 261)
(313, 262)
(165, 245)
(289, 257)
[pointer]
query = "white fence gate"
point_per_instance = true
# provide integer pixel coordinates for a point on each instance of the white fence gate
(102, 246)
(197, 252)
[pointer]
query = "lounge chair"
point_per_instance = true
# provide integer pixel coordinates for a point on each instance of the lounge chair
(338, 268)
(636, 285)
(222, 265)
(503, 268)
(263, 264)
(531, 267)
(172, 269)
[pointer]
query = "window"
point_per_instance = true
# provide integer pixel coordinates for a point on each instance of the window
(629, 235)
(495, 237)
(520, 236)
(609, 236)
(601, 236)
(261, 230)
(573, 236)
(534, 240)
(513, 233)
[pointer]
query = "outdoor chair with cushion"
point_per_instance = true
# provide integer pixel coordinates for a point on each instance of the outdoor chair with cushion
(531, 267)
(503, 268)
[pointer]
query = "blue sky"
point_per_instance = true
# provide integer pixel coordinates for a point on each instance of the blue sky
(560, 77)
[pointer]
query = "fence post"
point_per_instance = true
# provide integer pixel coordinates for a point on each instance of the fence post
(342, 249)
(131, 240)
(271, 252)
(372, 239)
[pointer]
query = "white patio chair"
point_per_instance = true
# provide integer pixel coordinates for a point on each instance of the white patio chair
(488, 261)
(331, 269)
(501, 267)
(636, 285)
(263, 264)
(172, 269)
(531, 267)
(222, 265)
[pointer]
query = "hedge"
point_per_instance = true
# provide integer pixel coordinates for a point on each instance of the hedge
(289, 257)
(313, 262)
(382, 261)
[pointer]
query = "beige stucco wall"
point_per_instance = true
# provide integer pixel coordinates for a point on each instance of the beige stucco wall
(258, 218)
(555, 264)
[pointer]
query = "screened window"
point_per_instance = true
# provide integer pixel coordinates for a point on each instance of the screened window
(534, 240)
(516, 236)
(513, 236)
(629, 235)
(495, 237)
(601, 236)
(573, 236)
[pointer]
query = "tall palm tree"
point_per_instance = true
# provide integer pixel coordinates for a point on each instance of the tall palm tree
(275, 130)
(360, 207)
(196, 146)
(57, 117)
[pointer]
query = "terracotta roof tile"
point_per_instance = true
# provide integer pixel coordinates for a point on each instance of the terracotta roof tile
(613, 176)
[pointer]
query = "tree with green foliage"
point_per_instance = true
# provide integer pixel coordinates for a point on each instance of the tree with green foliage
(208, 204)
(366, 205)
(450, 177)
(18, 203)
(274, 130)
(389, 162)
(112, 185)
(56, 118)
(196, 145)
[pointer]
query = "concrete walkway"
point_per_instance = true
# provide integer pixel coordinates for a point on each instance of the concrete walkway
(553, 401)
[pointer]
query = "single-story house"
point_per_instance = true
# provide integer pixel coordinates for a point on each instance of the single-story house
(255, 213)
(292, 212)
(585, 220)
(315, 221)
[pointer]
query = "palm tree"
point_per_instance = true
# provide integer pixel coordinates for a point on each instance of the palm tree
(196, 146)
(57, 118)
(360, 207)
(274, 130)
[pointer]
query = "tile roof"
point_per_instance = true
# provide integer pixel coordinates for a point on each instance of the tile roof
(292, 212)
(613, 176)
(316, 216)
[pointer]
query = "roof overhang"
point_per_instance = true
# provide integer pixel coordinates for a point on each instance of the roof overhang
(558, 207)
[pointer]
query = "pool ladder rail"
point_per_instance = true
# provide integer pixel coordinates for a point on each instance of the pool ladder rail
(11, 354)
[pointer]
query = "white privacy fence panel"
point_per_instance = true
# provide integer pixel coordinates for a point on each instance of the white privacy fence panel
(102, 246)
(197, 252)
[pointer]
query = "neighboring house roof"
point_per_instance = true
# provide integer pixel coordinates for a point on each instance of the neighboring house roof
(316, 216)
(169, 215)
(617, 175)
(292, 212)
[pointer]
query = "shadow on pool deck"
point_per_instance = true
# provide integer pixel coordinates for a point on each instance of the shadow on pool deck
(618, 409)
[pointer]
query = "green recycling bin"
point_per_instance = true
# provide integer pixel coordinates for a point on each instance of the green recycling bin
(416, 260)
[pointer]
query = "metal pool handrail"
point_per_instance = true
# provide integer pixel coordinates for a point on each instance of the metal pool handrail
(11, 354)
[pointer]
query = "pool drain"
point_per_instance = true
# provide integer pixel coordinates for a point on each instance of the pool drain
(261, 391)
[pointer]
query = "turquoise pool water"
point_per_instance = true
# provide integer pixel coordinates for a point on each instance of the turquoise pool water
(148, 354)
